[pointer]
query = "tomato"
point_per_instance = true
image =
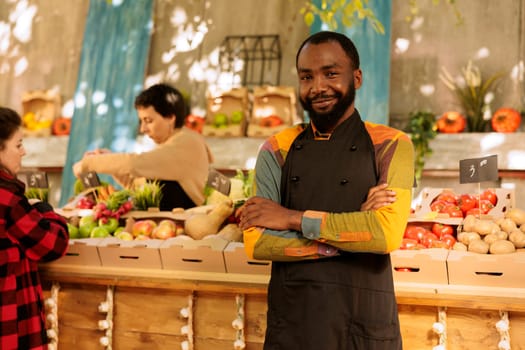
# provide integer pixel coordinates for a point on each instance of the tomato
(438, 206)
(490, 195)
(474, 211)
(408, 243)
(485, 206)
(449, 241)
(453, 211)
(448, 197)
(195, 122)
(428, 238)
(440, 229)
(466, 202)
(415, 232)
(438, 244)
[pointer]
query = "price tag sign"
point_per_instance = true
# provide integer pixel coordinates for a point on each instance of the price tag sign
(478, 169)
(219, 182)
(35, 179)
(90, 180)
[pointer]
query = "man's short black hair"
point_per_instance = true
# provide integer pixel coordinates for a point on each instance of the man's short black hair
(166, 100)
(323, 37)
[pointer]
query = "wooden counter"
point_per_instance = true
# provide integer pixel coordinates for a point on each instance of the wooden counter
(148, 303)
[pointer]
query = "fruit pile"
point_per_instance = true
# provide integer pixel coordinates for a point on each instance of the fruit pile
(149, 229)
(433, 235)
(459, 206)
(105, 218)
(222, 120)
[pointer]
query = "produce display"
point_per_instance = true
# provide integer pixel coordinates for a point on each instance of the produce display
(477, 229)
(454, 205)
(495, 236)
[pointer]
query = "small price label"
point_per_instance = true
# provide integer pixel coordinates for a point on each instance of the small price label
(478, 169)
(219, 182)
(35, 179)
(90, 180)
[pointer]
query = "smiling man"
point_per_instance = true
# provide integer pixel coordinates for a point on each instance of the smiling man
(333, 197)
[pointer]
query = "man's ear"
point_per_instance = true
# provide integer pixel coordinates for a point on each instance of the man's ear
(358, 78)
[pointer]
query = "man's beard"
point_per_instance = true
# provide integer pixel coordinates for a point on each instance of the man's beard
(326, 121)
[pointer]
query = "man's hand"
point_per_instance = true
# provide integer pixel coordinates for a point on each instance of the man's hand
(262, 212)
(378, 197)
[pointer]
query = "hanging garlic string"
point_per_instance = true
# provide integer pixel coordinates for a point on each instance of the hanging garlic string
(440, 328)
(238, 323)
(51, 311)
(107, 323)
(187, 313)
(503, 326)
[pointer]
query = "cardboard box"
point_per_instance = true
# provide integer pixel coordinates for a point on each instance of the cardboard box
(237, 261)
(423, 212)
(231, 106)
(39, 110)
(184, 253)
(277, 102)
(420, 266)
(142, 254)
(83, 251)
(473, 269)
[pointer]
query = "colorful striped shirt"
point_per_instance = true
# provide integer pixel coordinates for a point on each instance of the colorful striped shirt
(323, 233)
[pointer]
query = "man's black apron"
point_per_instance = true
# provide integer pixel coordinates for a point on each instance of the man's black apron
(341, 303)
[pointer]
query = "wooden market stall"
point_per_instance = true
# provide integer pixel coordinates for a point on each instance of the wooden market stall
(161, 309)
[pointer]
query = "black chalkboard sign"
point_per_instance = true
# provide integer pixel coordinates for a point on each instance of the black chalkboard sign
(34, 179)
(478, 169)
(89, 180)
(219, 182)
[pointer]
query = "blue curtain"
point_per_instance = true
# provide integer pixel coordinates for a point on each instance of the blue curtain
(111, 73)
(374, 52)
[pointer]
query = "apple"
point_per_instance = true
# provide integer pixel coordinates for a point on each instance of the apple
(110, 223)
(220, 120)
(85, 225)
(143, 227)
(236, 117)
(99, 232)
(124, 235)
(142, 237)
(165, 229)
(73, 231)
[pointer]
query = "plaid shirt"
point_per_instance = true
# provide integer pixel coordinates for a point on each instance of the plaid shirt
(28, 234)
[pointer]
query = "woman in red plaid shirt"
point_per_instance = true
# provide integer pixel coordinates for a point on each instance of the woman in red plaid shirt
(29, 233)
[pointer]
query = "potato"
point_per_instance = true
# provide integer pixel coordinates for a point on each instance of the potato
(507, 225)
(460, 247)
(517, 215)
(517, 238)
(485, 227)
(502, 247)
(467, 237)
(478, 246)
(491, 238)
(469, 222)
